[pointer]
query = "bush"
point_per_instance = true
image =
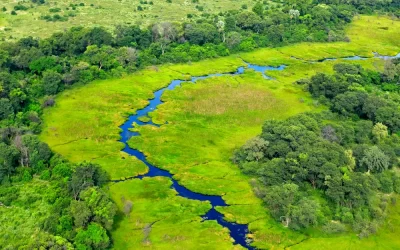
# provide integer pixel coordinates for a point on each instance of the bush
(45, 175)
(26, 176)
(20, 7)
(334, 227)
(48, 102)
(54, 10)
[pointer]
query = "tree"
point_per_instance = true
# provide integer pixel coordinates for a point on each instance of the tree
(247, 20)
(80, 212)
(221, 29)
(4, 57)
(97, 36)
(201, 33)
(101, 207)
(380, 131)
(94, 237)
(33, 150)
(27, 55)
(280, 200)
(51, 82)
(6, 108)
(349, 103)
(258, 8)
(253, 150)
(390, 116)
(127, 56)
(375, 160)
(305, 213)
(351, 161)
(43, 64)
(329, 133)
(103, 57)
(86, 175)
(294, 14)
(230, 24)
(233, 39)
(18, 98)
(8, 160)
(391, 71)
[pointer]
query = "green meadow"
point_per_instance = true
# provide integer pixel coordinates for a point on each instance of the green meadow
(107, 13)
(207, 121)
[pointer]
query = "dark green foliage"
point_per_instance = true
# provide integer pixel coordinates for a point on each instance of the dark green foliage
(334, 165)
(51, 82)
(201, 33)
(72, 192)
(286, 205)
(94, 237)
(8, 160)
(346, 93)
(6, 108)
(20, 7)
(86, 175)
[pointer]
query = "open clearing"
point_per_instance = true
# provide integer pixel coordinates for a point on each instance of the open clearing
(206, 122)
(111, 13)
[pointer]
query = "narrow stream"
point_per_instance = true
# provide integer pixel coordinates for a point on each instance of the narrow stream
(237, 231)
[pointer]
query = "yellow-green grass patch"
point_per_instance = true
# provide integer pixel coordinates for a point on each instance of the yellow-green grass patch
(107, 13)
(172, 222)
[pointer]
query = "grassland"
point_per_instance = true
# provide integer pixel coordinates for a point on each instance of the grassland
(112, 12)
(206, 122)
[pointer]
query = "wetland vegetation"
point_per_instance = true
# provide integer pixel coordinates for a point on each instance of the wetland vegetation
(294, 144)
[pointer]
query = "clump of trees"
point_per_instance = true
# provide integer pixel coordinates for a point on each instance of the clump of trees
(82, 213)
(333, 168)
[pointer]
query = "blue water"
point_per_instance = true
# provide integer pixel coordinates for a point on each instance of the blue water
(263, 69)
(355, 58)
(386, 57)
(237, 231)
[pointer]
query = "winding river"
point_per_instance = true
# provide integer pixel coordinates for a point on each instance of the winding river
(238, 232)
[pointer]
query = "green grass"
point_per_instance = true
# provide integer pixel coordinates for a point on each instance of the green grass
(366, 36)
(87, 128)
(175, 221)
(106, 13)
(206, 122)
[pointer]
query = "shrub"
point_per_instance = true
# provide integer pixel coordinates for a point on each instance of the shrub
(334, 227)
(54, 10)
(45, 175)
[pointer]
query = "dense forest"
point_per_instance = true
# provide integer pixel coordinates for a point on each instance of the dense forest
(338, 168)
(332, 164)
